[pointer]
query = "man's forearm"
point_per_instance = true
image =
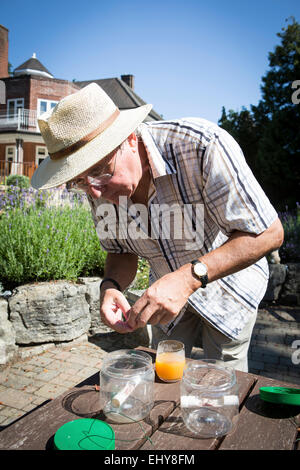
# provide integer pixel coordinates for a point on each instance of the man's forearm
(122, 268)
(240, 251)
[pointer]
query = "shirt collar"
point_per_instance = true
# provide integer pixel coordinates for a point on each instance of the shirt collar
(160, 165)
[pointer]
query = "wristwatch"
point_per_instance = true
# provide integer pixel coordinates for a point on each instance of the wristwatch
(199, 270)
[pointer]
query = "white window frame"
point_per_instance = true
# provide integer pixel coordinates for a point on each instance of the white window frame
(48, 105)
(17, 106)
(39, 158)
(9, 158)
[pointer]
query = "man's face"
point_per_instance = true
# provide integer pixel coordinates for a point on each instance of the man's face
(118, 174)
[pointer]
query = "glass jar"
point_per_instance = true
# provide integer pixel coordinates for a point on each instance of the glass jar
(209, 398)
(126, 386)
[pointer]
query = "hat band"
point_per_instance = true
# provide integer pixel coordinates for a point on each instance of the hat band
(80, 143)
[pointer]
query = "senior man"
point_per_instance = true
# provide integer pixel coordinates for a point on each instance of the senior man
(139, 178)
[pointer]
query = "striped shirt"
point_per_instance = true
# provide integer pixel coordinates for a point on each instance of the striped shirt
(196, 167)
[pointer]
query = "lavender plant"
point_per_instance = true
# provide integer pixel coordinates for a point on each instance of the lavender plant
(42, 242)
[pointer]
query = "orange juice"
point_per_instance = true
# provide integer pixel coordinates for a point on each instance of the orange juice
(169, 366)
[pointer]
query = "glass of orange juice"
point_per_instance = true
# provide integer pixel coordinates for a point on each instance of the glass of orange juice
(170, 360)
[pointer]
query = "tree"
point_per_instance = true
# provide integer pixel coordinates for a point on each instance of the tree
(242, 126)
(279, 119)
(269, 133)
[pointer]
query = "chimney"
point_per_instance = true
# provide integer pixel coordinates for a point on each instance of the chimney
(3, 52)
(129, 80)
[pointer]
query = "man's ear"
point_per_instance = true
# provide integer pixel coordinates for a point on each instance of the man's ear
(132, 141)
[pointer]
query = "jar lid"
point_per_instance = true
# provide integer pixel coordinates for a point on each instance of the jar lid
(85, 434)
(282, 395)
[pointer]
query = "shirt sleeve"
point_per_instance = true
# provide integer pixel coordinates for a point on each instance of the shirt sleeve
(233, 197)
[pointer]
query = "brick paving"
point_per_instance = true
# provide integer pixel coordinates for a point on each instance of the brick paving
(28, 383)
(45, 372)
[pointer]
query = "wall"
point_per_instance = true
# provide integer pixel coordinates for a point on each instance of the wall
(50, 89)
(3, 51)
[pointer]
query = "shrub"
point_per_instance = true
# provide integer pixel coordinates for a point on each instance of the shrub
(142, 276)
(18, 180)
(290, 249)
(48, 244)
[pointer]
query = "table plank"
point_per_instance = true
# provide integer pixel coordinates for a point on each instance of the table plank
(173, 434)
(262, 425)
(35, 431)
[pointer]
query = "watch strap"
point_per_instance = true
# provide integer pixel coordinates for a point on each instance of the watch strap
(113, 281)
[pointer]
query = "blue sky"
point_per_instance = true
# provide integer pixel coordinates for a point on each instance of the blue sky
(189, 57)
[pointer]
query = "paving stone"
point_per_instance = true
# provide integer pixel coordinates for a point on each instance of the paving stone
(40, 361)
(47, 375)
(50, 390)
(17, 382)
(15, 398)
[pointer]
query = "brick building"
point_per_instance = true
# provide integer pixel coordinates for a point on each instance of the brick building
(32, 90)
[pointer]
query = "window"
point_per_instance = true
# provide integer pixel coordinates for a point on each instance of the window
(10, 152)
(45, 105)
(40, 154)
(13, 106)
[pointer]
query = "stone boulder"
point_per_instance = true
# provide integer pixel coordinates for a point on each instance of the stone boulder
(276, 279)
(49, 312)
(290, 294)
(8, 346)
(92, 285)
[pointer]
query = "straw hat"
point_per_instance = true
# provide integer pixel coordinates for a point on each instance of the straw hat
(81, 130)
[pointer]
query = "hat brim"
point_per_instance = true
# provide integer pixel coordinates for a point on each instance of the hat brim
(52, 173)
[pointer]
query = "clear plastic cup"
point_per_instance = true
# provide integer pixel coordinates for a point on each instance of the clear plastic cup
(170, 360)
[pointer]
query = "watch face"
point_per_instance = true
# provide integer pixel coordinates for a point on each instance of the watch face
(200, 269)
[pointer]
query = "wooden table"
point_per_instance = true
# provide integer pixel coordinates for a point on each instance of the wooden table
(260, 425)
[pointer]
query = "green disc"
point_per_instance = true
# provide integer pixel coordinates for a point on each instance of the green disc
(281, 395)
(85, 434)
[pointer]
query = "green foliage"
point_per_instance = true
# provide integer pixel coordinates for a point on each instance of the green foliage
(269, 132)
(290, 250)
(241, 125)
(48, 244)
(142, 277)
(18, 180)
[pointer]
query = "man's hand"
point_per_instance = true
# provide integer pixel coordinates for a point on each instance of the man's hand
(162, 301)
(113, 310)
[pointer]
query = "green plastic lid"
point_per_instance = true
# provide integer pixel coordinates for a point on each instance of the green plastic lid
(281, 395)
(85, 434)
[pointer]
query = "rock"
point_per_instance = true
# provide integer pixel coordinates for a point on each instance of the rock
(290, 294)
(92, 285)
(49, 312)
(274, 257)
(8, 347)
(276, 280)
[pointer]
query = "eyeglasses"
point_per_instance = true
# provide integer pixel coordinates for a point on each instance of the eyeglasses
(92, 179)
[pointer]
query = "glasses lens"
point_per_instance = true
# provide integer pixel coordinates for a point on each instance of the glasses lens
(100, 181)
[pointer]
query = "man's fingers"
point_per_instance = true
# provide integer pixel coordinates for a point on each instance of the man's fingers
(114, 310)
(135, 312)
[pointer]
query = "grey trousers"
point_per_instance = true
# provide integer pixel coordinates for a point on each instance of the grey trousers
(193, 327)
